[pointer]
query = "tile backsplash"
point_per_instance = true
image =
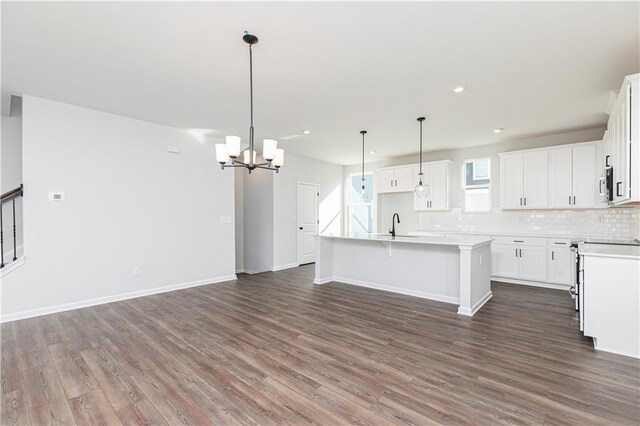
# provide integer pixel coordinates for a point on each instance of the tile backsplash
(623, 222)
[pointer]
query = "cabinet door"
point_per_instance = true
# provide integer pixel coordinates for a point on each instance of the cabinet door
(535, 180)
(439, 189)
(585, 177)
(386, 180)
(559, 265)
(504, 261)
(511, 175)
(560, 178)
(403, 180)
(621, 171)
(532, 263)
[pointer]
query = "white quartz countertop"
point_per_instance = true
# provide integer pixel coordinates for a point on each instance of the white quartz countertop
(469, 241)
(515, 234)
(609, 250)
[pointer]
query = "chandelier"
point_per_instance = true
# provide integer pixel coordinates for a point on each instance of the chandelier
(227, 153)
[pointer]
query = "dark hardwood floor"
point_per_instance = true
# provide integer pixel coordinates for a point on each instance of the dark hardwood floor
(273, 348)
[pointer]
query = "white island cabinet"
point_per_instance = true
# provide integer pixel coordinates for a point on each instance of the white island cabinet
(448, 269)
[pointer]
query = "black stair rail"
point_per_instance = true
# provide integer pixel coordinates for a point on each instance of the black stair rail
(5, 198)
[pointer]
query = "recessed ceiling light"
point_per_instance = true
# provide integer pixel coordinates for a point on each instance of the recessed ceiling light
(458, 89)
(306, 132)
(372, 152)
(498, 130)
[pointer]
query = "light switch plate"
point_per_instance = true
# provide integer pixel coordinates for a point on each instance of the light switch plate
(225, 219)
(56, 196)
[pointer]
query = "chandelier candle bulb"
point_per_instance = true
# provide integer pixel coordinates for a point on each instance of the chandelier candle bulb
(278, 159)
(269, 147)
(222, 154)
(233, 145)
(246, 157)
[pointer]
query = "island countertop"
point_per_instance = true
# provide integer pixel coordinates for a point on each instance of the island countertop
(465, 241)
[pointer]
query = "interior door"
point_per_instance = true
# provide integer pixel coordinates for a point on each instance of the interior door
(307, 222)
(439, 187)
(535, 179)
(511, 176)
(585, 176)
(560, 178)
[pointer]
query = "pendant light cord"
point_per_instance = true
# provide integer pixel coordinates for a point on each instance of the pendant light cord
(251, 103)
(363, 132)
(420, 120)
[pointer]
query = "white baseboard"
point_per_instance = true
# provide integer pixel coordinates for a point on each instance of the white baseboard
(282, 267)
(391, 289)
(108, 299)
(12, 266)
(239, 271)
(322, 280)
(532, 283)
(476, 307)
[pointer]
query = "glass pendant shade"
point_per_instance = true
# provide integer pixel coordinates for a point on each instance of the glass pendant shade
(278, 159)
(222, 156)
(233, 145)
(269, 147)
(421, 190)
(246, 156)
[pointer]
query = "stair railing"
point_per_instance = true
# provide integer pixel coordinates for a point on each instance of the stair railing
(9, 196)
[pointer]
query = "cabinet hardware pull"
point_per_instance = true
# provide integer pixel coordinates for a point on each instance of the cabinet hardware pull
(518, 241)
(520, 200)
(391, 182)
(525, 201)
(516, 252)
(606, 160)
(559, 243)
(569, 199)
(520, 252)
(574, 200)
(553, 255)
(396, 182)
(618, 194)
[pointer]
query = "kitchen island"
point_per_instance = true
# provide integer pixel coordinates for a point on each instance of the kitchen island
(448, 269)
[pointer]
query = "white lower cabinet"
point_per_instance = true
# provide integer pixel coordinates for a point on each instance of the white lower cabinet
(559, 265)
(531, 259)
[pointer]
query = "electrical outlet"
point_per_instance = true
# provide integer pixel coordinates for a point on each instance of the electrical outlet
(136, 271)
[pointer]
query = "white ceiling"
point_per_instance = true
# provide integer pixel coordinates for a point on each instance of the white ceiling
(333, 68)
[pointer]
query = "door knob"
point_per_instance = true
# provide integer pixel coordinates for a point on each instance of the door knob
(301, 228)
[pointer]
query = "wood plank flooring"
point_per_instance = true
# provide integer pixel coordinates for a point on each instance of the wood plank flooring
(273, 348)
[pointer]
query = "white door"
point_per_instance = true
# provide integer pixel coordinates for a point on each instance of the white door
(559, 264)
(511, 175)
(532, 263)
(560, 190)
(505, 262)
(307, 222)
(535, 179)
(386, 179)
(439, 187)
(585, 176)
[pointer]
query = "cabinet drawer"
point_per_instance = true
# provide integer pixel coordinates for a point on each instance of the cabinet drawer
(552, 242)
(526, 241)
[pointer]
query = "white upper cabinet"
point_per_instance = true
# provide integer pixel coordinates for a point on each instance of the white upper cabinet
(436, 175)
(395, 179)
(573, 177)
(623, 142)
(523, 180)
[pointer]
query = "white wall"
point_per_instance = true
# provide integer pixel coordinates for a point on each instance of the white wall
(301, 169)
(11, 175)
(128, 203)
(258, 220)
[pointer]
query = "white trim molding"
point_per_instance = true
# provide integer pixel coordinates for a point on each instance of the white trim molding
(531, 283)
(391, 289)
(476, 307)
(12, 266)
(109, 299)
(282, 267)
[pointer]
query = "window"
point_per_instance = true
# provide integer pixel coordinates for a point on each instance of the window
(476, 178)
(360, 208)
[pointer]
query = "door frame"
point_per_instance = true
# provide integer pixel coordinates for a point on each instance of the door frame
(298, 183)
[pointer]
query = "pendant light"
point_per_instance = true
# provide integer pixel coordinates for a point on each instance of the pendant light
(366, 195)
(230, 151)
(421, 189)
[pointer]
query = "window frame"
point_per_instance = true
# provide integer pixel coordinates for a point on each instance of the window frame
(470, 188)
(350, 204)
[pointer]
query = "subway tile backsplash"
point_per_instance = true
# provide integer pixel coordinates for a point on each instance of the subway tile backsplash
(622, 222)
